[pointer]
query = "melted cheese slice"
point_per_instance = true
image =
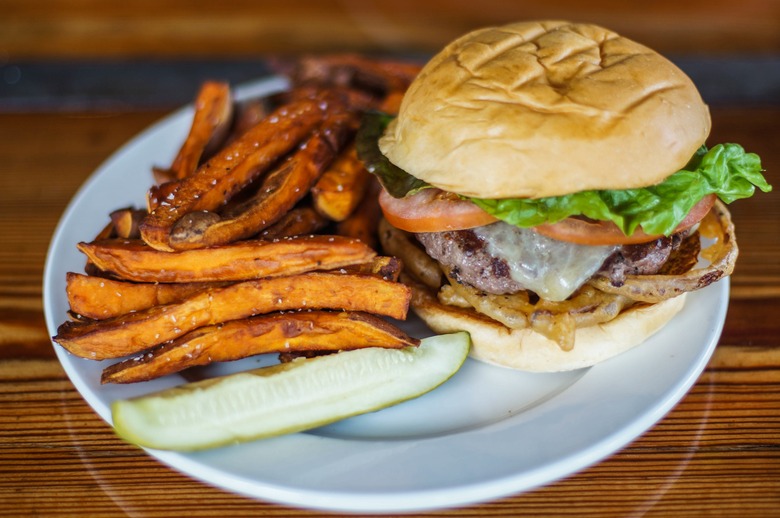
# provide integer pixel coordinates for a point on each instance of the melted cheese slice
(552, 269)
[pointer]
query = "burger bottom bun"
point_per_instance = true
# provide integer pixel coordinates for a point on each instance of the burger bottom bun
(525, 349)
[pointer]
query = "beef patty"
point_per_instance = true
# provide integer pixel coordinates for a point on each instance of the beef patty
(465, 254)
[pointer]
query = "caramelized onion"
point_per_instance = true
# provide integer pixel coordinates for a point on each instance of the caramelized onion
(558, 321)
(721, 256)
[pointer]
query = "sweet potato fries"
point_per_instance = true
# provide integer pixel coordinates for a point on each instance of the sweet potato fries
(257, 238)
(133, 332)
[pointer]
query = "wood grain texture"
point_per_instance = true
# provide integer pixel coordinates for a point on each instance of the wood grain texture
(142, 28)
(717, 453)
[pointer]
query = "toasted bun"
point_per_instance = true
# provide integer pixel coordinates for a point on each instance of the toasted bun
(538, 109)
(527, 350)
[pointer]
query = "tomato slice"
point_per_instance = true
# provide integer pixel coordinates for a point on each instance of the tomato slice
(585, 232)
(432, 210)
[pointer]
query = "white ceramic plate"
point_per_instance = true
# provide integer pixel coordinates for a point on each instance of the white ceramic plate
(487, 433)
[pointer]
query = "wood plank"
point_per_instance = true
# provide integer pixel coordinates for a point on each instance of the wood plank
(142, 28)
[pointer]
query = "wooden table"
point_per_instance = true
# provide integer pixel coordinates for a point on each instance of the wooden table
(716, 453)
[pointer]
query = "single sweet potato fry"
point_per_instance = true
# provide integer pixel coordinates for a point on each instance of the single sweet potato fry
(355, 71)
(126, 223)
(298, 221)
(135, 261)
(279, 191)
(363, 222)
(274, 333)
(354, 99)
(388, 268)
(210, 126)
(341, 187)
(107, 232)
(122, 223)
(135, 332)
(99, 297)
(232, 168)
(249, 113)
(392, 102)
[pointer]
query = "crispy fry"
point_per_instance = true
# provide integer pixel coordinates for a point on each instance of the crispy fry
(135, 332)
(98, 297)
(392, 102)
(135, 261)
(274, 333)
(341, 187)
(106, 232)
(210, 127)
(249, 113)
(280, 190)
(123, 223)
(126, 221)
(388, 268)
(296, 222)
(355, 71)
(232, 168)
(352, 98)
(363, 222)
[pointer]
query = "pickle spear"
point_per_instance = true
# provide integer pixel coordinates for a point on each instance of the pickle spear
(288, 397)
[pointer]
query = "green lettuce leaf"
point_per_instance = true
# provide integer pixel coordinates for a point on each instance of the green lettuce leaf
(726, 170)
(397, 182)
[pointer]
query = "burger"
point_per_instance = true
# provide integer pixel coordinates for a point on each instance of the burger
(549, 189)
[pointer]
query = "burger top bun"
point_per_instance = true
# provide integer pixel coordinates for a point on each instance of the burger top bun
(537, 109)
